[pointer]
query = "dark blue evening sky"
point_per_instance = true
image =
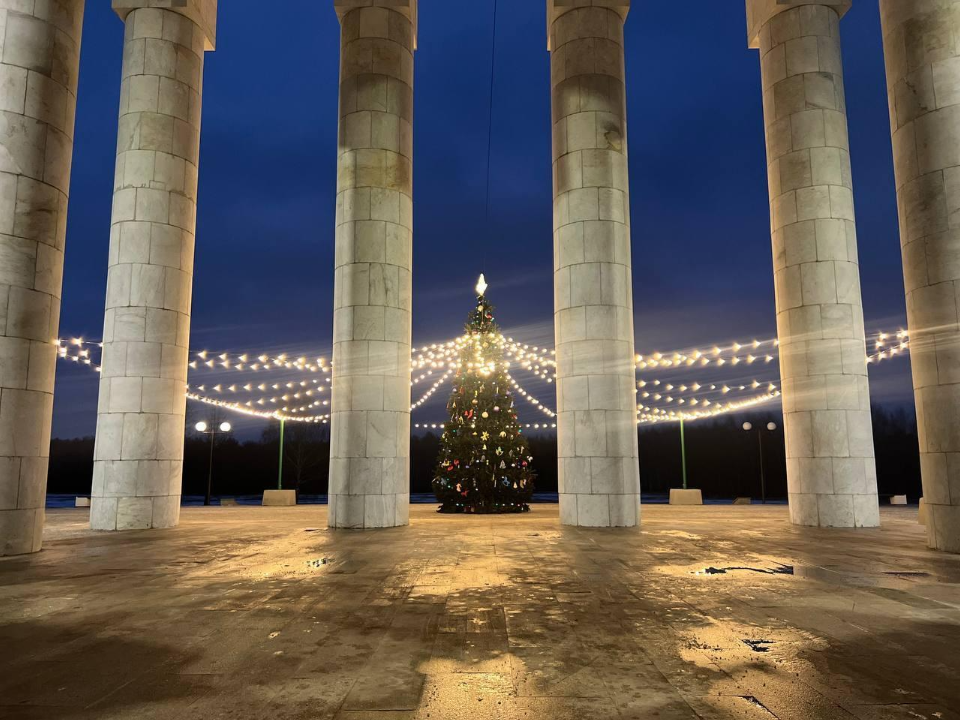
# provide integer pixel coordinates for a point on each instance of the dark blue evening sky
(264, 259)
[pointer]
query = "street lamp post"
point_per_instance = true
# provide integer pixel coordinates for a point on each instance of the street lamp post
(280, 470)
(683, 454)
(771, 426)
(202, 427)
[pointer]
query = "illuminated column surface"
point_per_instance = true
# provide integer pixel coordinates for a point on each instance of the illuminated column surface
(921, 42)
(370, 423)
(39, 61)
(599, 477)
(138, 459)
(831, 473)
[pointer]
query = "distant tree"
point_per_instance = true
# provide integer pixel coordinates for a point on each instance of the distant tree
(306, 453)
(304, 450)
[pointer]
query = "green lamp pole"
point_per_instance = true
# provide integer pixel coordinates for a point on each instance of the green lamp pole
(683, 454)
(280, 473)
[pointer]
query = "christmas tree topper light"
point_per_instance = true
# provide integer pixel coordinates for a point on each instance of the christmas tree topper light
(481, 285)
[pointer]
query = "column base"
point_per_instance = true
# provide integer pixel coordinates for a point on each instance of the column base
(583, 510)
(366, 512)
(134, 513)
(21, 531)
(834, 511)
(943, 527)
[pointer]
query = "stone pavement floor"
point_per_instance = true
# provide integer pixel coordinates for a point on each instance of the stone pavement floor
(707, 612)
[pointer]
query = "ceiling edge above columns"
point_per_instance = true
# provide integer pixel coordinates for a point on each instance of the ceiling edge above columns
(556, 8)
(202, 12)
(759, 12)
(407, 8)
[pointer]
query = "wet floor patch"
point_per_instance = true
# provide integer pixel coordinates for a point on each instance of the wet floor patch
(757, 704)
(778, 570)
(759, 646)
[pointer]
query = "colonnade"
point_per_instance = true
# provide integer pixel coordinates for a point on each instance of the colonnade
(139, 447)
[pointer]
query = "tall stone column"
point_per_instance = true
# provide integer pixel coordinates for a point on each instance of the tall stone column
(599, 475)
(921, 42)
(831, 473)
(39, 63)
(138, 458)
(370, 424)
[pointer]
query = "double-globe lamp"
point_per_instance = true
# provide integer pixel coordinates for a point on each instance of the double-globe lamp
(771, 426)
(203, 427)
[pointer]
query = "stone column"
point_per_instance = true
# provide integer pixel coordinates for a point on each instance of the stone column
(139, 450)
(599, 476)
(370, 424)
(831, 473)
(921, 42)
(39, 62)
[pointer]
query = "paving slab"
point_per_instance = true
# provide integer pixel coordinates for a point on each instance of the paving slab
(703, 612)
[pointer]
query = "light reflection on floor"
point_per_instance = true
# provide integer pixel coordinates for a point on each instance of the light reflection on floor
(250, 612)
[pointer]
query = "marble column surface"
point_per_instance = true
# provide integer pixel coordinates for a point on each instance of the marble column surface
(921, 43)
(370, 419)
(138, 459)
(599, 478)
(39, 64)
(831, 472)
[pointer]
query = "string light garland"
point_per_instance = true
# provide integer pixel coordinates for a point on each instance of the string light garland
(662, 391)
(888, 347)
(530, 398)
(753, 351)
(656, 415)
(529, 357)
(431, 391)
(540, 362)
(534, 426)
(251, 363)
(244, 410)
(81, 357)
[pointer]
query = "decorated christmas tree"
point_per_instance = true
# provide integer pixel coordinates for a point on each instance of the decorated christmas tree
(484, 464)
